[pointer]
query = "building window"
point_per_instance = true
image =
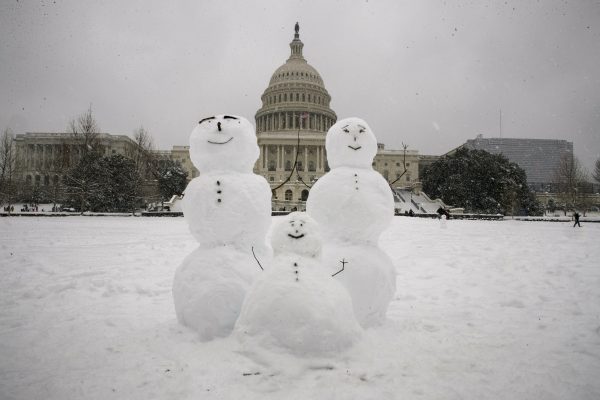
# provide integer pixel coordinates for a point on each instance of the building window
(299, 166)
(297, 97)
(288, 195)
(304, 195)
(311, 166)
(46, 180)
(288, 165)
(271, 165)
(271, 179)
(397, 164)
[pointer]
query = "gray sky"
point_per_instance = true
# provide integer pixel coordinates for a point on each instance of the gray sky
(431, 74)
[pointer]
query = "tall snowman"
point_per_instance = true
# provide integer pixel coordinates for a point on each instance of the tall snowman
(353, 205)
(296, 305)
(228, 210)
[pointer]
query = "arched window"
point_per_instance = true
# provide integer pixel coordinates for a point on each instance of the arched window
(303, 97)
(299, 166)
(288, 195)
(285, 97)
(304, 195)
(311, 165)
(279, 98)
(272, 165)
(46, 180)
(297, 97)
(288, 165)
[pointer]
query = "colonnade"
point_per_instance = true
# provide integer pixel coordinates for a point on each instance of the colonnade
(293, 120)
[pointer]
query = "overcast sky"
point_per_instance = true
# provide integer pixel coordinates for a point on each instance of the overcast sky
(431, 74)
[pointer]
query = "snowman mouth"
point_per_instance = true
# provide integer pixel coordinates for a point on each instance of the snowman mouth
(355, 148)
(296, 237)
(227, 141)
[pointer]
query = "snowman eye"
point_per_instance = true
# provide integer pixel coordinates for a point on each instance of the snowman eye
(346, 130)
(361, 131)
(206, 119)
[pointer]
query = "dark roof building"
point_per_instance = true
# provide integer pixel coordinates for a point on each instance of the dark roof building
(539, 158)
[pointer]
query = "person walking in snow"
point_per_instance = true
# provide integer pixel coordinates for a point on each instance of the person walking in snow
(576, 216)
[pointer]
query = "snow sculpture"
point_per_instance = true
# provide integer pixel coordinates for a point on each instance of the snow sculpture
(296, 305)
(353, 205)
(228, 210)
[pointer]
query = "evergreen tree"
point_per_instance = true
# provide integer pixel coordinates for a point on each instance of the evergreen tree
(172, 179)
(480, 182)
(102, 184)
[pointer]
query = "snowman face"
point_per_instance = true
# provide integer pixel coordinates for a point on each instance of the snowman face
(350, 143)
(223, 142)
(297, 233)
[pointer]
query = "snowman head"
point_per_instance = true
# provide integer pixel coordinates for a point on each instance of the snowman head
(224, 142)
(296, 233)
(350, 143)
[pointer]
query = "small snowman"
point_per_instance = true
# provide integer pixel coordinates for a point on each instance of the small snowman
(297, 306)
(228, 210)
(353, 205)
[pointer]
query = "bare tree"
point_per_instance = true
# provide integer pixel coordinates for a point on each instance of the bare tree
(7, 167)
(596, 173)
(85, 129)
(143, 158)
(570, 179)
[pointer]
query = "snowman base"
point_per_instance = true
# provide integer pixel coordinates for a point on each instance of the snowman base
(209, 288)
(310, 316)
(369, 276)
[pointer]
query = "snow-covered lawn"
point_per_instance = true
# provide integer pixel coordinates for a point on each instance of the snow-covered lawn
(484, 310)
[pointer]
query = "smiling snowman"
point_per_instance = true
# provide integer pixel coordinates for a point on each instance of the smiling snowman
(353, 205)
(228, 210)
(296, 305)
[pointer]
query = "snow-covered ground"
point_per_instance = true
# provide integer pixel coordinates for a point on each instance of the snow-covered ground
(483, 310)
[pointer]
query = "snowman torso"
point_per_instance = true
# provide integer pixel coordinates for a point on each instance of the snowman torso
(352, 204)
(228, 208)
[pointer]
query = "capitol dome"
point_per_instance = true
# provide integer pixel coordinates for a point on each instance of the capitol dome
(296, 98)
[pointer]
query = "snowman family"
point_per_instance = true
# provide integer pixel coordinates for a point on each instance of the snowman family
(302, 294)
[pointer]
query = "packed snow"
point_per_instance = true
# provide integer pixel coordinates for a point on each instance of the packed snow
(228, 210)
(353, 205)
(297, 307)
(483, 309)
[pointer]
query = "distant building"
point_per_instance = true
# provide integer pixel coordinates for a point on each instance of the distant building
(180, 155)
(539, 158)
(43, 159)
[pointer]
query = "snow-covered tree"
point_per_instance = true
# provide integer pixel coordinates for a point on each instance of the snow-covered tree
(7, 167)
(480, 182)
(102, 184)
(172, 179)
(596, 173)
(571, 184)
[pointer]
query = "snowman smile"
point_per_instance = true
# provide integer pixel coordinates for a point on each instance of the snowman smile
(355, 148)
(227, 141)
(296, 237)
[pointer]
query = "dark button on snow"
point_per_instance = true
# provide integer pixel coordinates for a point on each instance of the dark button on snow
(218, 191)
(218, 183)
(219, 200)
(295, 264)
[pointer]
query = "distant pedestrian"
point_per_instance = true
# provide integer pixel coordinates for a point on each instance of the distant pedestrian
(411, 213)
(576, 216)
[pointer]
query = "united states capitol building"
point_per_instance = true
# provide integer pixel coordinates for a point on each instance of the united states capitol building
(291, 127)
